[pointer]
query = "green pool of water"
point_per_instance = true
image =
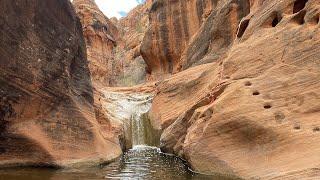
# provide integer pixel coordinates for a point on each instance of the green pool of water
(141, 162)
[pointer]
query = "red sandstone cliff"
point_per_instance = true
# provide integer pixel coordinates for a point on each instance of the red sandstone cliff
(173, 25)
(132, 29)
(101, 37)
(254, 112)
(47, 116)
(113, 46)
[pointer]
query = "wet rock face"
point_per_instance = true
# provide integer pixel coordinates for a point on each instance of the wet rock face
(253, 113)
(169, 45)
(46, 98)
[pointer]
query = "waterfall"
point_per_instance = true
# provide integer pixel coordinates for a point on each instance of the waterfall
(131, 110)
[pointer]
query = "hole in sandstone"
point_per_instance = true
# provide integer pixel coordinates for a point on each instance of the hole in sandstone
(267, 106)
(248, 83)
(299, 18)
(242, 28)
(316, 129)
(105, 28)
(256, 93)
(296, 127)
(275, 21)
(299, 5)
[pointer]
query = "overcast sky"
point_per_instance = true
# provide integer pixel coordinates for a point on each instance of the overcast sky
(117, 8)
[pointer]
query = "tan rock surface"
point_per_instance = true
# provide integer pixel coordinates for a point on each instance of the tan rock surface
(46, 104)
(254, 113)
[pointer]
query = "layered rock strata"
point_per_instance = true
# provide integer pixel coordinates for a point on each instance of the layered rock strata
(183, 32)
(255, 112)
(113, 46)
(132, 29)
(47, 115)
(101, 37)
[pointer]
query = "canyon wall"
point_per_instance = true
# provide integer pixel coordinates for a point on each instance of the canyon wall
(244, 99)
(169, 45)
(113, 45)
(245, 104)
(46, 96)
(254, 112)
(101, 37)
(132, 30)
(113, 48)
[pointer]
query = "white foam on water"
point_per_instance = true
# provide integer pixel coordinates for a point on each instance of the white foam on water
(129, 108)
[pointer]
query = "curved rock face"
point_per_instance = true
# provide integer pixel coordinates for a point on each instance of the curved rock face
(101, 37)
(216, 35)
(254, 113)
(173, 25)
(46, 97)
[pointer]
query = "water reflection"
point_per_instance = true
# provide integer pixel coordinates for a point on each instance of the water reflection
(141, 162)
(144, 162)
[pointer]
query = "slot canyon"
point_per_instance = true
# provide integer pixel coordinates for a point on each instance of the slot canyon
(176, 89)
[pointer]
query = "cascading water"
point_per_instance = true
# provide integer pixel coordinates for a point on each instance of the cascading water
(139, 122)
(143, 160)
(131, 110)
(138, 131)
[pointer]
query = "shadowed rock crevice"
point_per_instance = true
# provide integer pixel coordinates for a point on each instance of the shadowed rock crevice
(275, 22)
(299, 5)
(299, 18)
(242, 28)
(274, 19)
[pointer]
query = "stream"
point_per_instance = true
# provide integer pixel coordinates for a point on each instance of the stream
(143, 160)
